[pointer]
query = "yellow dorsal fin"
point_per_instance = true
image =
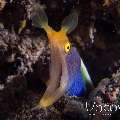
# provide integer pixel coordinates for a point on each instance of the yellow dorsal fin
(39, 18)
(70, 22)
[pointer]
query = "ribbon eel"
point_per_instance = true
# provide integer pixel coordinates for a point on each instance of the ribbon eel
(68, 73)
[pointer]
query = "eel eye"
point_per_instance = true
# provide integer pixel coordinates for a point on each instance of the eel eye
(67, 47)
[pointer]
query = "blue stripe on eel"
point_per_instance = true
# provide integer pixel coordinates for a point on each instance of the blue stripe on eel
(76, 83)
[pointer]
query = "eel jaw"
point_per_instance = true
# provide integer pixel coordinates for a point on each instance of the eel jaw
(49, 99)
(52, 95)
(46, 101)
(58, 82)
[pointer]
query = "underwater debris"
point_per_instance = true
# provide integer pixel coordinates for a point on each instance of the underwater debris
(2, 4)
(113, 88)
(113, 4)
(22, 26)
(109, 2)
(11, 19)
(20, 55)
(104, 100)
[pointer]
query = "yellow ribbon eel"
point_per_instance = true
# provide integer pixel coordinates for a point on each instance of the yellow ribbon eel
(62, 57)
